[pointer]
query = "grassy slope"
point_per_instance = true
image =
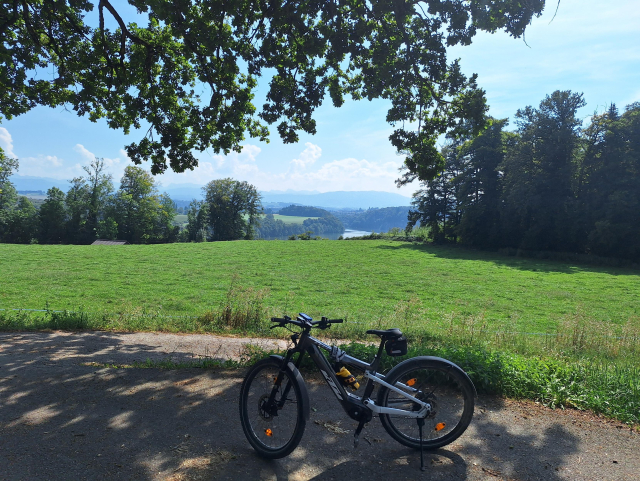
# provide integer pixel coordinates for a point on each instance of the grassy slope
(292, 219)
(363, 280)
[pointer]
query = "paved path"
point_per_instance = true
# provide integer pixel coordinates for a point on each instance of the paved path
(62, 418)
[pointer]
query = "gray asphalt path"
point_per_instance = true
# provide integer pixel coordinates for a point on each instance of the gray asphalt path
(64, 418)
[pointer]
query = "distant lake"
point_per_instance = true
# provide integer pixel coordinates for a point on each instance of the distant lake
(347, 234)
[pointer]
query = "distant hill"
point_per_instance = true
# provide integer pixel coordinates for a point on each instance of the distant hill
(338, 200)
(186, 192)
(326, 200)
(29, 183)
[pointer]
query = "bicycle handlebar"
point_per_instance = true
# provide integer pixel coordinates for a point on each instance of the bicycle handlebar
(304, 320)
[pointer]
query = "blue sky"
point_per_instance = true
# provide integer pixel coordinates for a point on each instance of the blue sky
(591, 46)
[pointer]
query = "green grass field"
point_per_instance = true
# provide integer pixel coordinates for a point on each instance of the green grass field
(561, 334)
(364, 281)
(291, 219)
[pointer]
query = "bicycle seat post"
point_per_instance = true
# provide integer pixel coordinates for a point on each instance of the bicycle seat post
(376, 360)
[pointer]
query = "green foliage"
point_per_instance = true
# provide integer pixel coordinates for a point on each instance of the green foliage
(138, 212)
(604, 388)
(8, 195)
(197, 229)
(308, 235)
(323, 225)
(272, 227)
(304, 211)
(242, 310)
(538, 195)
(152, 71)
(549, 187)
(21, 223)
(233, 209)
(317, 220)
(378, 220)
(53, 217)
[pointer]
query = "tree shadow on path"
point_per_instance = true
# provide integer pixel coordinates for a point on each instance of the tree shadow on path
(61, 420)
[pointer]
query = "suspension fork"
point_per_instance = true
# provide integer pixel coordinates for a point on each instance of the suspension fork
(287, 388)
(278, 381)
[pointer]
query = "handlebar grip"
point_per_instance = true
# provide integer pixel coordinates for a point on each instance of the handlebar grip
(278, 319)
(335, 321)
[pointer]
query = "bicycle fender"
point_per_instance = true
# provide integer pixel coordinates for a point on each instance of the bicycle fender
(304, 393)
(437, 360)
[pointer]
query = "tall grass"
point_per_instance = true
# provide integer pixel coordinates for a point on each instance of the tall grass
(241, 311)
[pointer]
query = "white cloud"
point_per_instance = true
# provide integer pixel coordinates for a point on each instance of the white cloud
(6, 142)
(113, 166)
(304, 172)
(307, 157)
(84, 153)
(236, 164)
(47, 166)
(349, 174)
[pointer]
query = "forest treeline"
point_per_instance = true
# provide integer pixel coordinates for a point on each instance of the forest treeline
(375, 219)
(550, 185)
(91, 209)
(319, 222)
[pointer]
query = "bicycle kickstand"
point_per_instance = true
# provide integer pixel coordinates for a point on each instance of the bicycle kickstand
(356, 436)
(420, 425)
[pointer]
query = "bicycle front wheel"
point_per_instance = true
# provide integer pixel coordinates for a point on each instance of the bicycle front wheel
(443, 385)
(274, 429)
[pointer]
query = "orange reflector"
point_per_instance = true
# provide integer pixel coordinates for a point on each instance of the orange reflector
(268, 432)
(411, 382)
(440, 426)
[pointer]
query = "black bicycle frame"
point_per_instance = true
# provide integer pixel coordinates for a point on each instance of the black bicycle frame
(304, 343)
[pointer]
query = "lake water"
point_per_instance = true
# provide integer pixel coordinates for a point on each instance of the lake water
(346, 235)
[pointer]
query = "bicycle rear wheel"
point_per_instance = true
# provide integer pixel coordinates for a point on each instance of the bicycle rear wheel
(440, 383)
(274, 430)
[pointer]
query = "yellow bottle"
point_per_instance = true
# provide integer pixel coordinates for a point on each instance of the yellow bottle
(347, 378)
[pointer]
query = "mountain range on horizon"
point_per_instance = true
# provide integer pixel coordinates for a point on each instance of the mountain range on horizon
(188, 192)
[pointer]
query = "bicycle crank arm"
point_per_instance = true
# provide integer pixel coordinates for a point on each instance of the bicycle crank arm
(423, 413)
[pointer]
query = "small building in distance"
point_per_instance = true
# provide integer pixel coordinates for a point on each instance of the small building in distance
(107, 242)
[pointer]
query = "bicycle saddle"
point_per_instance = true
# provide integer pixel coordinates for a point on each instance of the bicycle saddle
(394, 333)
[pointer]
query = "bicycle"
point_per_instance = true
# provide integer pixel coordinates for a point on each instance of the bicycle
(423, 403)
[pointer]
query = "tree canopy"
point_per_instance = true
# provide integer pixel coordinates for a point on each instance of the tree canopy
(552, 185)
(189, 71)
(233, 209)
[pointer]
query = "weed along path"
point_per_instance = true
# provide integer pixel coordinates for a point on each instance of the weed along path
(70, 409)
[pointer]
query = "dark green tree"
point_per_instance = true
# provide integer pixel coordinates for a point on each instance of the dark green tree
(142, 215)
(539, 186)
(76, 203)
(610, 189)
(481, 185)
(53, 218)
(22, 223)
(234, 209)
(8, 195)
(438, 205)
(197, 229)
(99, 186)
(189, 69)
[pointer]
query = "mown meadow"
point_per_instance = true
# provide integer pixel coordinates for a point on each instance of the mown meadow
(563, 334)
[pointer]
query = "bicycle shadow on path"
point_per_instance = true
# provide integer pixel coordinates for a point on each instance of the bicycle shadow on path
(62, 420)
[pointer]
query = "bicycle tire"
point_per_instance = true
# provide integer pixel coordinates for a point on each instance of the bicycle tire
(442, 384)
(273, 435)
